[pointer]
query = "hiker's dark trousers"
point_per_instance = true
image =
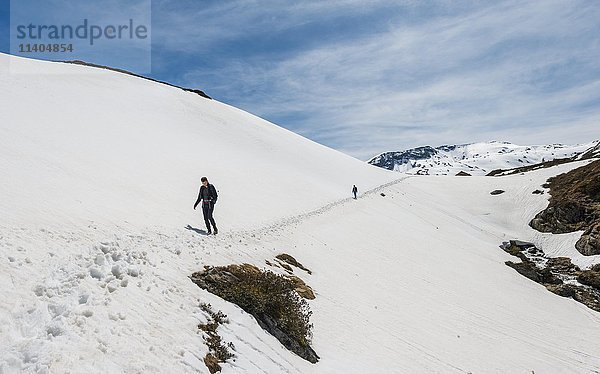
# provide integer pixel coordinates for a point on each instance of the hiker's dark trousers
(207, 211)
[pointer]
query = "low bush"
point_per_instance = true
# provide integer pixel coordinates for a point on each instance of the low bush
(269, 297)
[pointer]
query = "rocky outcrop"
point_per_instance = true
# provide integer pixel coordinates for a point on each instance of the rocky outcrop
(562, 265)
(463, 174)
(589, 243)
(389, 160)
(292, 261)
(497, 192)
(559, 275)
(562, 217)
(574, 205)
(577, 293)
(529, 270)
(589, 278)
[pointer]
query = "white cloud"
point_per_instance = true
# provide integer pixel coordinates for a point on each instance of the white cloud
(525, 72)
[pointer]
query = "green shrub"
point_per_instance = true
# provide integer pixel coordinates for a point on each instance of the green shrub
(263, 293)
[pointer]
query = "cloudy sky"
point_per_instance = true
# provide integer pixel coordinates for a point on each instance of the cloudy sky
(371, 76)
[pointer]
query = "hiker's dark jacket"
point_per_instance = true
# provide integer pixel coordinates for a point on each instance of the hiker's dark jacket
(208, 194)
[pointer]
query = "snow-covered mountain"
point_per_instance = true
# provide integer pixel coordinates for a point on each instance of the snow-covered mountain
(474, 159)
(98, 238)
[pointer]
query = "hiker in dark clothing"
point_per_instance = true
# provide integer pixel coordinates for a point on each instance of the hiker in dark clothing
(354, 191)
(208, 195)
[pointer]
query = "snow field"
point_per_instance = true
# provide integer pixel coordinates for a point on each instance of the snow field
(98, 239)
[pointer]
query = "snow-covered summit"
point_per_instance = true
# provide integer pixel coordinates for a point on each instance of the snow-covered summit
(475, 158)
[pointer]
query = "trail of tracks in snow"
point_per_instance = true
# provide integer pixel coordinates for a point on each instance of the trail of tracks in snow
(293, 220)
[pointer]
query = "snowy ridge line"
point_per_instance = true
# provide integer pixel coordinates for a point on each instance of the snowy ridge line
(123, 71)
(288, 221)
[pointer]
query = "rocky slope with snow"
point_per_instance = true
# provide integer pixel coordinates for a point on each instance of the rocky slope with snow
(98, 240)
(476, 158)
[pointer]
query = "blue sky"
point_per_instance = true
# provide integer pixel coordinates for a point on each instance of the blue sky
(371, 76)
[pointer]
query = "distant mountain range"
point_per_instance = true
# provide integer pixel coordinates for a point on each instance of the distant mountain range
(478, 158)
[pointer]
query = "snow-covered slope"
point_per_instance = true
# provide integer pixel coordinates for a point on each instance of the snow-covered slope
(409, 282)
(81, 144)
(475, 159)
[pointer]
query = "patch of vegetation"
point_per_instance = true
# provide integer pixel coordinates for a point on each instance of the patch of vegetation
(269, 297)
(218, 352)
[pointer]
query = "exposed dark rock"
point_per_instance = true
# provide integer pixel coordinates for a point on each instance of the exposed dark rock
(79, 62)
(589, 243)
(586, 296)
(271, 264)
(563, 217)
(547, 277)
(497, 192)
(305, 351)
(382, 194)
(525, 251)
(589, 278)
(519, 245)
(574, 205)
(526, 269)
(292, 261)
(551, 272)
(530, 270)
(389, 160)
(564, 290)
(562, 265)
(538, 192)
(287, 267)
(463, 174)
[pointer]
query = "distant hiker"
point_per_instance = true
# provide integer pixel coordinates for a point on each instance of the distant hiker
(354, 191)
(208, 195)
